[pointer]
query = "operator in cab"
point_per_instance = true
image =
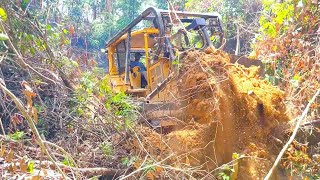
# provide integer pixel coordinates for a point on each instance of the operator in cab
(142, 68)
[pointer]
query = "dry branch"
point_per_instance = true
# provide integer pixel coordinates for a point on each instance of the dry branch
(66, 154)
(2, 128)
(285, 147)
(89, 172)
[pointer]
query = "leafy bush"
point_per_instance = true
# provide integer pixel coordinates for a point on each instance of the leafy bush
(19, 135)
(106, 148)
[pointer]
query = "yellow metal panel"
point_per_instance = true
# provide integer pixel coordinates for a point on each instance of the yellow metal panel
(112, 67)
(165, 67)
(146, 48)
(155, 74)
(117, 83)
(138, 32)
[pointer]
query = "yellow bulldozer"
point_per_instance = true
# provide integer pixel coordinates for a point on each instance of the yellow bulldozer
(143, 56)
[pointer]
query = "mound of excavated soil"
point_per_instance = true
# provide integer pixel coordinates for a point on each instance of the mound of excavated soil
(226, 109)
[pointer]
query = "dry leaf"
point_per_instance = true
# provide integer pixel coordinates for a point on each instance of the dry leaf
(3, 150)
(137, 164)
(187, 161)
(14, 167)
(29, 94)
(10, 169)
(150, 175)
(45, 172)
(34, 114)
(159, 169)
(10, 157)
(15, 120)
(23, 166)
(35, 177)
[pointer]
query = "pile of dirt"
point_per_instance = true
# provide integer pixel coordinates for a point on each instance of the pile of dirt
(226, 108)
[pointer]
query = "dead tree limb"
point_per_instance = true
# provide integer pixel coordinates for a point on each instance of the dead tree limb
(285, 147)
(89, 172)
(2, 127)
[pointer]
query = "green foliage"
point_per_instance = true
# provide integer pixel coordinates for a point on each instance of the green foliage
(150, 167)
(123, 108)
(67, 161)
(107, 148)
(162, 4)
(19, 135)
(3, 37)
(88, 81)
(30, 166)
(176, 62)
(223, 176)
(94, 178)
(97, 29)
(101, 29)
(128, 161)
(126, 11)
(65, 31)
(276, 17)
(3, 14)
(120, 101)
(225, 173)
(24, 4)
(92, 85)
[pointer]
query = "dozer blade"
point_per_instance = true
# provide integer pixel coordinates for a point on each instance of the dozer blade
(160, 115)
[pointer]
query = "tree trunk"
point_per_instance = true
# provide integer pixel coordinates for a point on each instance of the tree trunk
(94, 12)
(237, 52)
(108, 6)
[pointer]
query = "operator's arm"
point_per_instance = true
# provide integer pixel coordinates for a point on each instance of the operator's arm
(142, 67)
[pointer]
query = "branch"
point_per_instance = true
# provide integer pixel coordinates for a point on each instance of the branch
(2, 128)
(20, 58)
(30, 121)
(89, 172)
(285, 147)
(70, 158)
(62, 75)
(3, 56)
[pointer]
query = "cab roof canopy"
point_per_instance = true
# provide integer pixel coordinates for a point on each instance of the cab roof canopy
(157, 18)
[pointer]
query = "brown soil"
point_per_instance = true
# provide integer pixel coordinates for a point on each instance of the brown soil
(226, 109)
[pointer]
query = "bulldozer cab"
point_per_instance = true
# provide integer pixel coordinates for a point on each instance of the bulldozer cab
(158, 36)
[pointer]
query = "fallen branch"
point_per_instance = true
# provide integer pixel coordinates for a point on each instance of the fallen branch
(3, 56)
(88, 172)
(2, 128)
(285, 147)
(70, 158)
(311, 123)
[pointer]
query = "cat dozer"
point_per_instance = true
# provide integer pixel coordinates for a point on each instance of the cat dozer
(160, 39)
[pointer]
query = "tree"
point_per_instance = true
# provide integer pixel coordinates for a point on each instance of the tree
(162, 4)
